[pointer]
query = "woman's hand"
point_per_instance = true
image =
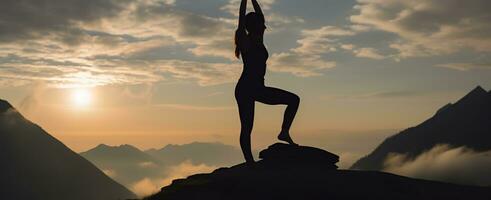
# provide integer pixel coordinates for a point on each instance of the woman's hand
(257, 8)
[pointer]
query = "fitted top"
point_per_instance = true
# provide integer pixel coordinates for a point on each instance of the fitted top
(254, 57)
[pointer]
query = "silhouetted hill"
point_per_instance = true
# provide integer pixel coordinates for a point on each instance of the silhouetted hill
(465, 123)
(36, 165)
(122, 153)
(126, 164)
(213, 154)
(289, 172)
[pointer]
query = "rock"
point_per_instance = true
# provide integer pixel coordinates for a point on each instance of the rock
(285, 154)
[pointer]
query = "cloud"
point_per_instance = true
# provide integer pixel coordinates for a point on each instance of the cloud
(363, 52)
(142, 92)
(232, 6)
(274, 20)
(347, 46)
(145, 187)
(368, 53)
(31, 19)
(79, 44)
(216, 48)
(149, 186)
(307, 59)
(465, 66)
(444, 163)
(429, 27)
(30, 103)
(147, 164)
(62, 53)
(299, 64)
(318, 41)
(186, 169)
(205, 73)
(71, 74)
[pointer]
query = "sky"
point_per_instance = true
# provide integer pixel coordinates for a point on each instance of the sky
(157, 72)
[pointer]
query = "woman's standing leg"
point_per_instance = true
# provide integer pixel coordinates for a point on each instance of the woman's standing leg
(275, 96)
(246, 113)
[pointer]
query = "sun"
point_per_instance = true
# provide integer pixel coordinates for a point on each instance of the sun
(81, 97)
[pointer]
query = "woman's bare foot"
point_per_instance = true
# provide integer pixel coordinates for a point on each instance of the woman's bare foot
(285, 136)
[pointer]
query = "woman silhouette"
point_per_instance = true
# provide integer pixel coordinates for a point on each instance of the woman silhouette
(250, 87)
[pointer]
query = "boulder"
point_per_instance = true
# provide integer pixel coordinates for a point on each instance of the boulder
(292, 155)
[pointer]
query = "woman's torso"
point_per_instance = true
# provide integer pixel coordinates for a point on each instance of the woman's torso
(254, 59)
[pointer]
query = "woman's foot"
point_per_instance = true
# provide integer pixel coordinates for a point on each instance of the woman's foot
(285, 136)
(250, 164)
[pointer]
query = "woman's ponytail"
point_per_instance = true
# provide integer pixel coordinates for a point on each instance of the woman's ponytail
(237, 48)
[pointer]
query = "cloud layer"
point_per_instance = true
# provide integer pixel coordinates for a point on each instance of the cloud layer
(429, 27)
(75, 43)
(444, 163)
(105, 42)
(150, 185)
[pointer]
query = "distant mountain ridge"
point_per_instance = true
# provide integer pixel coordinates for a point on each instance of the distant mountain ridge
(213, 154)
(122, 152)
(125, 163)
(36, 166)
(130, 165)
(464, 123)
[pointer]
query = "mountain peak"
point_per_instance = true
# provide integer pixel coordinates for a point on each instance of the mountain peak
(479, 89)
(4, 106)
(128, 147)
(477, 94)
(26, 144)
(104, 147)
(465, 123)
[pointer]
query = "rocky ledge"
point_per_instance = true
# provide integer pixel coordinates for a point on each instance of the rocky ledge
(298, 172)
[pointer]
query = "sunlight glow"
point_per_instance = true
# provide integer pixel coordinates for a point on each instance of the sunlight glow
(81, 97)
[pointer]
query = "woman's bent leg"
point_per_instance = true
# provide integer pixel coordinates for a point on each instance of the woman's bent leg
(275, 96)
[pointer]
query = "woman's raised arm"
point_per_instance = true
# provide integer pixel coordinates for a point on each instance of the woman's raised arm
(242, 13)
(241, 30)
(257, 8)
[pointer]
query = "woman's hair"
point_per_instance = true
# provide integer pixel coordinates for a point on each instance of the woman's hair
(252, 23)
(237, 48)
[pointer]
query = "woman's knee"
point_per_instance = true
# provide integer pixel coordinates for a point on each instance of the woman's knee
(294, 100)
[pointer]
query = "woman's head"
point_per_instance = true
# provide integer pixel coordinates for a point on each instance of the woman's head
(254, 23)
